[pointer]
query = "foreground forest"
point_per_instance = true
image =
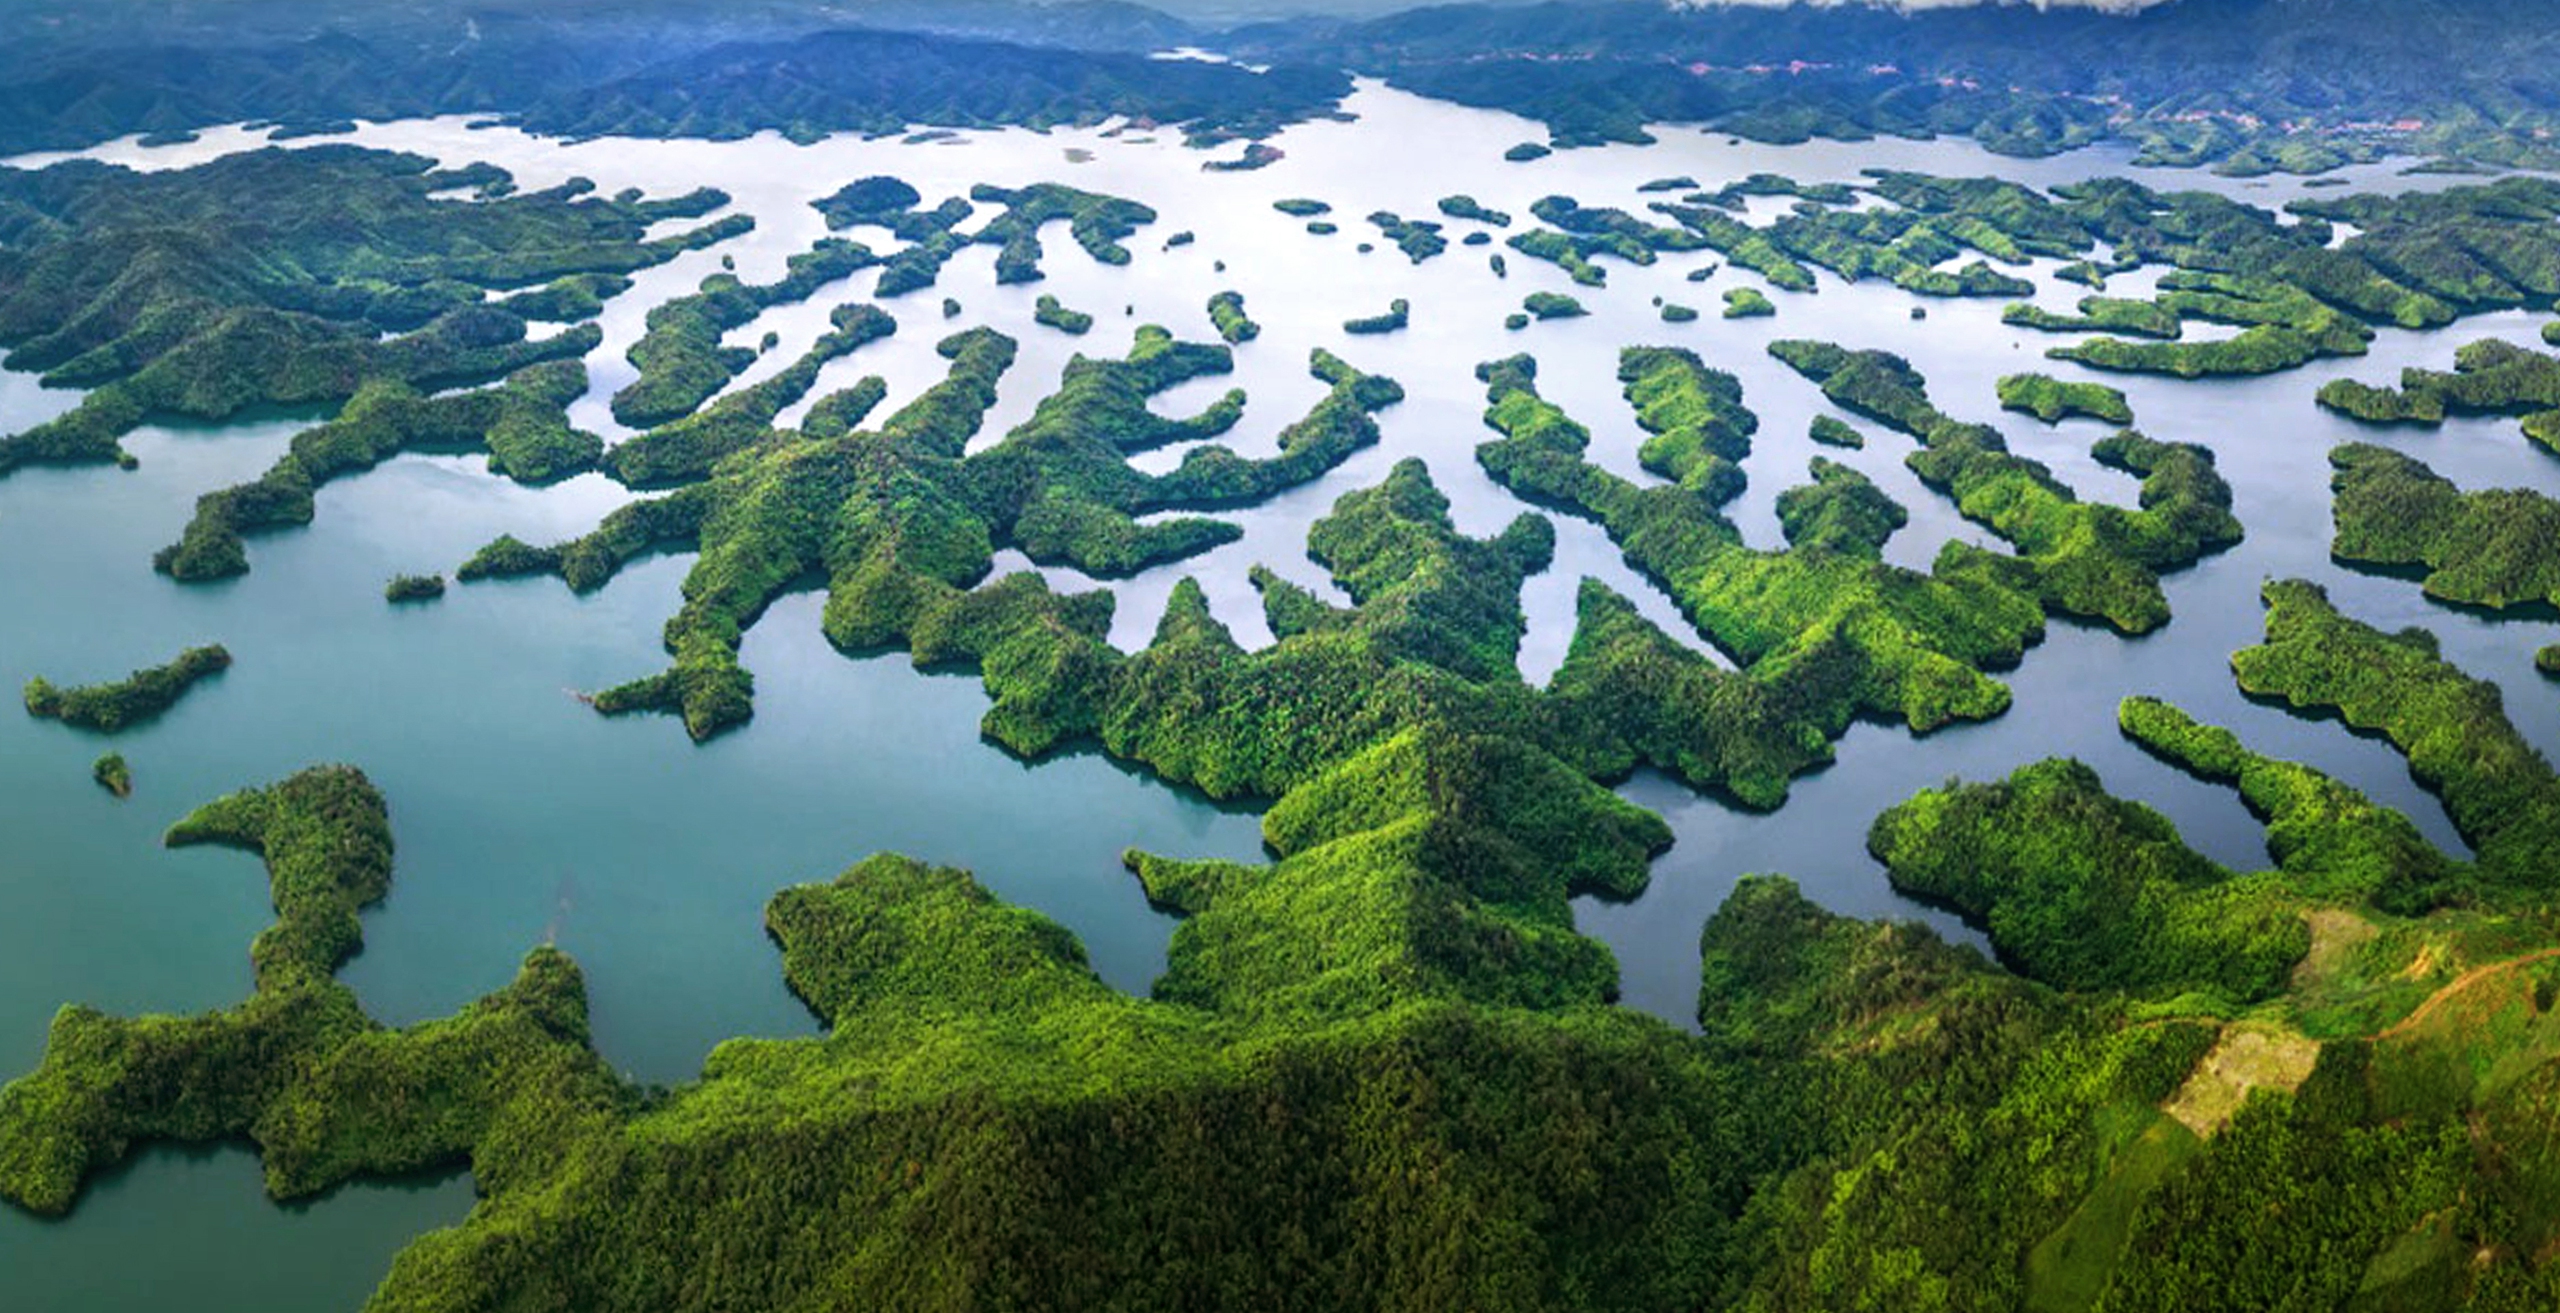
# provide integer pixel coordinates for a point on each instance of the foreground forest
(1386, 1062)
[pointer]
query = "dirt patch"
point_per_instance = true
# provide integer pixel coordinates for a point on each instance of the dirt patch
(2247, 1057)
(2459, 984)
(2335, 933)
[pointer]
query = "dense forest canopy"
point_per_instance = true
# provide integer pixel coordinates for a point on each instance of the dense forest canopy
(1384, 1063)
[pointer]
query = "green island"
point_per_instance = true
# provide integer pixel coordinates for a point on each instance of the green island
(522, 424)
(1392, 321)
(1817, 637)
(905, 526)
(142, 696)
(1050, 312)
(1227, 315)
(1552, 305)
(689, 447)
(1419, 239)
(1833, 431)
(1099, 223)
(1463, 206)
(2489, 377)
(2088, 560)
(162, 296)
(2218, 1064)
(413, 588)
(1840, 511)
(2052, 400)
(113, 775)
(2185, 1025)
(680, 357)
(2498, 549)
(1579, 233)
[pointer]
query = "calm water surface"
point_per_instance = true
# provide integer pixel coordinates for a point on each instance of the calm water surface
(521, 817)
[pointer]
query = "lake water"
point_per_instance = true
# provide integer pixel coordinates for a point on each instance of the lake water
(521, 816)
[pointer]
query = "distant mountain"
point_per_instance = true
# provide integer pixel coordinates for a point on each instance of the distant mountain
(2246, 85)
(2192, 80)
(635, 67)
(883, 81)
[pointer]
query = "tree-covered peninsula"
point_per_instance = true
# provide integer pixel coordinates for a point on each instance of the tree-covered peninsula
(1388, 1039)
(292, 278)
(144, 695)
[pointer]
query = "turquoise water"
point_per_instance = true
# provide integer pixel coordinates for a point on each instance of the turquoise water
(521, 817)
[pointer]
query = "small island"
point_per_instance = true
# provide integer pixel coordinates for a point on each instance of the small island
(1747, 303)
(413, 588)
(141, 696)
(1552, 305)
(1392, 321)
(1226, 311)
(2053, 401)
(1832, 431)
(1463, 206)
(1050, 311)
(113, 775)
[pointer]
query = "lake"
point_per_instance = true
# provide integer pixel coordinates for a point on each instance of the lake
(523, 817)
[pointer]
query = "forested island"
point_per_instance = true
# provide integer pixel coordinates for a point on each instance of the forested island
(2100, 969)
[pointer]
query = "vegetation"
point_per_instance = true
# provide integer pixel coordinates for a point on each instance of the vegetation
(1226, 314)
(680, 358)
(113, 775)
(2249, 92)
(2493, 549)
(2053, 401)
(2490, 377)
(1419, 239)
(1819, 636)
(1300, 207)
(1675, 313)
(1747, 303)
(324, 1091)
(1552, 305)
(1581, 233)
(141, 696)
(1832, 431)
(1467, 207)
(691, 447)
(414, 588)
(900, 521)
(2086, 892)
(2078, 558)
(1051, 312)
(1840, 511)
(1392, 321)
(289, 278)
(2498, 789)
(522, 423)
